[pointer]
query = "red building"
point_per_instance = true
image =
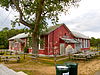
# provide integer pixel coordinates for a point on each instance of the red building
(57, 40)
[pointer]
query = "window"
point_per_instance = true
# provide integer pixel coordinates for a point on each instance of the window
(87, 43)
(65, 36)
(42, 42)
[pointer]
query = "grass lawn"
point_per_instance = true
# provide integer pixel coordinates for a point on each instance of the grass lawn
(46, 66)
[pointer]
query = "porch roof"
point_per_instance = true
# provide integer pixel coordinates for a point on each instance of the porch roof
(70, 40)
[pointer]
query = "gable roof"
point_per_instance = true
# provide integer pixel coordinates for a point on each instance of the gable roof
(75, 34)
(49, 30)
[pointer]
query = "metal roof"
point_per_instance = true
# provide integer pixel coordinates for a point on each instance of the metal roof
(50, 29)
(70, 40)
(76, 34)
(79, 35)
(22, 35)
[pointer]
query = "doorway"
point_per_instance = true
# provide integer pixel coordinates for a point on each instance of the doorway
(62, 48)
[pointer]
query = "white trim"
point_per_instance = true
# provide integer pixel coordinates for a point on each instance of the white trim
(41, 54)
(61, 53)
(86, 42)
(39, 43)
(48, 44)
(81, 42)
(46, 55)
(41, 49)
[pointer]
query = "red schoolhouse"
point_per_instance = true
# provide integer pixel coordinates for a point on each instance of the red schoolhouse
(57, 40)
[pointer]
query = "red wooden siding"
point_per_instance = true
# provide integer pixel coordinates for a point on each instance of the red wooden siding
(54, 39)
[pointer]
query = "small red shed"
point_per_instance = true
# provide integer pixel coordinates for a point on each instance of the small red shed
(57, 40)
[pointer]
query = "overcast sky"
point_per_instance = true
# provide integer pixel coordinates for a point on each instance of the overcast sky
(84, 19)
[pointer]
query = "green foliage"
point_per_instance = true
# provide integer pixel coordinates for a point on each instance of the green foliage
(95, 42)
(36, 13)
(5, 28)
(5, 34)
(31, 9)
(26, 49)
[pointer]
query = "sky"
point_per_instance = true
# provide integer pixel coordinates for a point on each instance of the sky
(84, 19)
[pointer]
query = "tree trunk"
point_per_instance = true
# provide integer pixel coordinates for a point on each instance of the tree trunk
(35, 43)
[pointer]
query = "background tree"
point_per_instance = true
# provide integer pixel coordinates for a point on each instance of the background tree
(5, 34)
(35, 13)
(95, 43)
(5, 28)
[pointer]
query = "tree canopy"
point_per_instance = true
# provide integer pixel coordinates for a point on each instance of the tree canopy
(35, 13)
(95, 42)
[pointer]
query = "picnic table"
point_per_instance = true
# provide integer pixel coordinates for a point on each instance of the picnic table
(81, 56)
(9, 58)
(85, 55)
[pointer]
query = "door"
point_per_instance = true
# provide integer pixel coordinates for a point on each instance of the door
(77, 47)
(62, 48)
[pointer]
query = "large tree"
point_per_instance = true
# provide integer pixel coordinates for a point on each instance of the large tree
(35, 13)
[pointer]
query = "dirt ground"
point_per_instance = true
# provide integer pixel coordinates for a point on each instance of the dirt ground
(89, 67)
(38, 68)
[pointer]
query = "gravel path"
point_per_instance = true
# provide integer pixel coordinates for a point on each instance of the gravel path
(97, 73)
(89, 68)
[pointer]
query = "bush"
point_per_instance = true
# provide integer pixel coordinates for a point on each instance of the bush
(26, 49)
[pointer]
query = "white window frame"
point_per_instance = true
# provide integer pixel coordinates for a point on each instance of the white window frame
(40, 45)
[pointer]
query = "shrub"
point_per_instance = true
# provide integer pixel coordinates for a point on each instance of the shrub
(26, 49)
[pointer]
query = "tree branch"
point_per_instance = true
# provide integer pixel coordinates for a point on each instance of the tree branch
(16, 3)
(39, 14)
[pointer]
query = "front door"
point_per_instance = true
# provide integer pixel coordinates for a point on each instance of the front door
(62, 48)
